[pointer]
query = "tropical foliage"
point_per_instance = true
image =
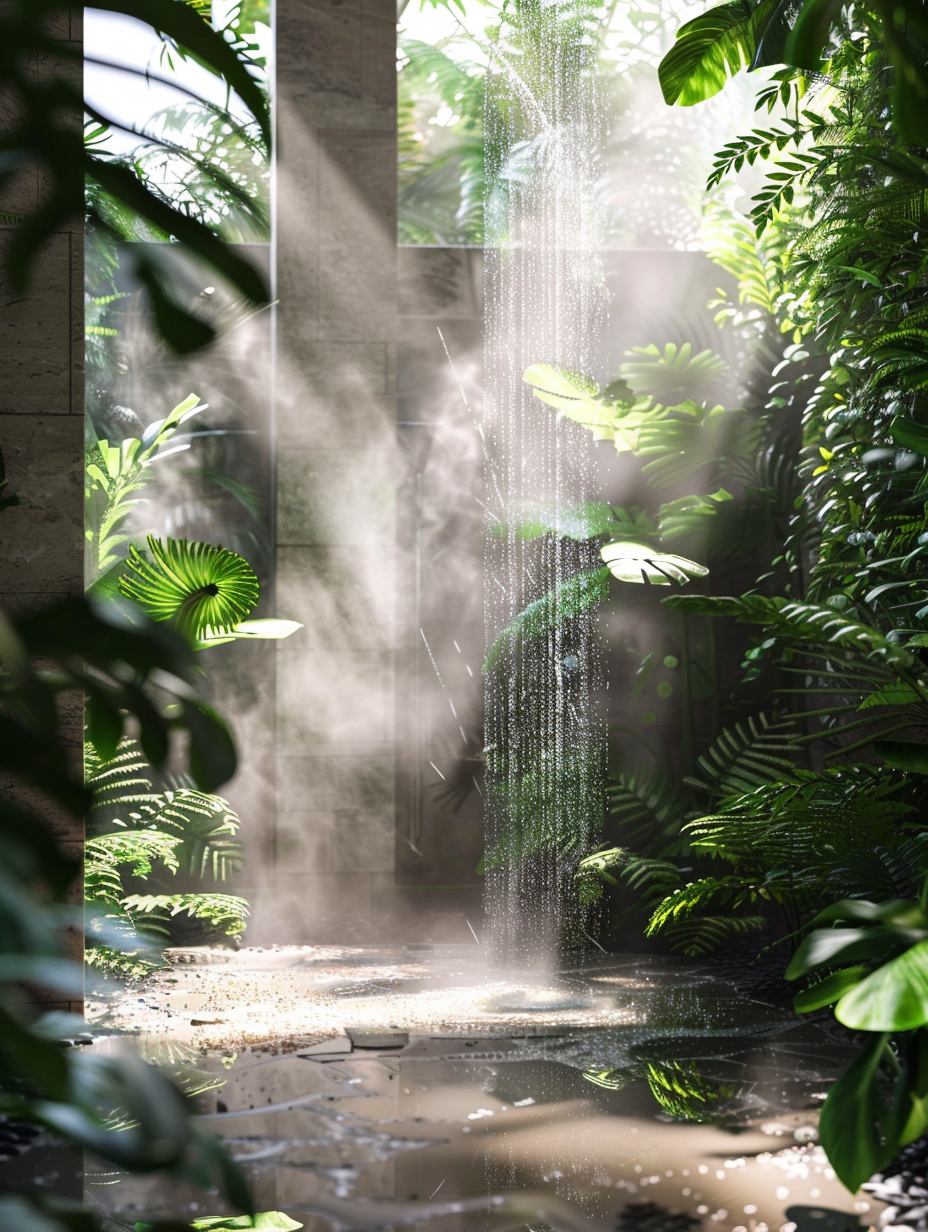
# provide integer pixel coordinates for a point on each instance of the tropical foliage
(47, 134)
(138, 833)
(120, 1108)
(832, 280)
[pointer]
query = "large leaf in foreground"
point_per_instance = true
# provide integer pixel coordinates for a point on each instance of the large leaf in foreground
(711, 48)
(859, 1130)
(893, 998)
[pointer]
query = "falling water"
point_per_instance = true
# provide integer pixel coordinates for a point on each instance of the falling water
(544, 304)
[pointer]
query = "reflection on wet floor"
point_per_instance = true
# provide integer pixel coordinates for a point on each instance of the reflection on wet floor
(682, 1106)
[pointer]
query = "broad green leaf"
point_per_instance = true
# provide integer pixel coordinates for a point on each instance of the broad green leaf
(811, 29)
(902, 912)
(910, 435)
(903, 754)
(828, 990)
(836, 946)
(859, 1131)
(212, 749)
(893, 998)
(558, 387)
(862, 274)
(710, 49)
(636, 562)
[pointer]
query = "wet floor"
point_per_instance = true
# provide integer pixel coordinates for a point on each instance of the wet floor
(637, 1095)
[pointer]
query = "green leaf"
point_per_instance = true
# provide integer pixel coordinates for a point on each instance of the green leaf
(212, 749)
(859, 1131)
(120, 182)
(862, 274)
(103, 724)
(910, 435)
(710, 49)
(811, 31)
(903, 754)
(828, 990)
(833, 946)
(893, 998)
(636, 562)
(201, 588)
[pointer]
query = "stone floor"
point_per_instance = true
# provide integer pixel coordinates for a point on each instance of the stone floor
(385, 1089)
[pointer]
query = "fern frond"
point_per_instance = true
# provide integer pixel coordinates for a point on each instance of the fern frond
(747, 755)
(730, 891)
(684, 1093)
(701, 935)
(648, 806)
(570, 599)
(224, 911)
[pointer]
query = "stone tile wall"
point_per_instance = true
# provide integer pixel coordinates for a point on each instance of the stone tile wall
(41, 424)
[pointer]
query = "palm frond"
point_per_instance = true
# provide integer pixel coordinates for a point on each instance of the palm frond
(201, 588)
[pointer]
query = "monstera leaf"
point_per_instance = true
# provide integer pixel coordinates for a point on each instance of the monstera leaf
(201, 588)
(611, 415)
(636, 562)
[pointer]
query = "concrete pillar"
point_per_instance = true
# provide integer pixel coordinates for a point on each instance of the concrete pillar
(336, 467)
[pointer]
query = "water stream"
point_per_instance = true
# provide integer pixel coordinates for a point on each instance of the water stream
(544, 297)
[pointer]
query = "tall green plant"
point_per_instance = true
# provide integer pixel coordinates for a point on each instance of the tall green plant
(114, 475)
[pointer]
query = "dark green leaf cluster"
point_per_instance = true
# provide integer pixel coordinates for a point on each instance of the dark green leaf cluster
(120, 1108)
(46, 131)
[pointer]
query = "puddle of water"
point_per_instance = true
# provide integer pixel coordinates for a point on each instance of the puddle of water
(682, 1107)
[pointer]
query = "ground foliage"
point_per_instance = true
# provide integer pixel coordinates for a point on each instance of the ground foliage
(159, 837)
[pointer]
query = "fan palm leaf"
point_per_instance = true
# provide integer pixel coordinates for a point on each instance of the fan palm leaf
(199, 587)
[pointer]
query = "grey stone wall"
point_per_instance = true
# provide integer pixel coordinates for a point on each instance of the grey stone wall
(336, 467)
(41, 420)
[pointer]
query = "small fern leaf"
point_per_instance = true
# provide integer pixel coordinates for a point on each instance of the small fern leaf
(897, 693)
